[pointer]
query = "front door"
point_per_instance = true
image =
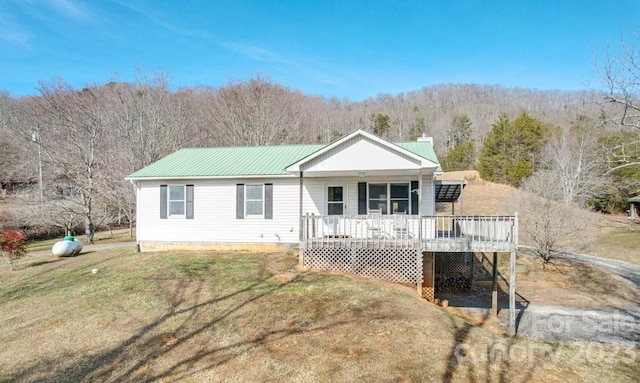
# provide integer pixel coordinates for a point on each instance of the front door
(336, 207)
(335, 200)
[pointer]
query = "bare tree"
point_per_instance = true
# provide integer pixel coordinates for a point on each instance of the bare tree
(76, 145)
(16, 151)
(256, 112)
(621, 74)
(149, 119)
(546, 220)
(572, 157)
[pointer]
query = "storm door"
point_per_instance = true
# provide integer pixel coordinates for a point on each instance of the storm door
(336, 199)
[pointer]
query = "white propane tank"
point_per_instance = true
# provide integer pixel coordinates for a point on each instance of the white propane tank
(68, 247)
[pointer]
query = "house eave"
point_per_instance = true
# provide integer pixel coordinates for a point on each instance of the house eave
(239, 176)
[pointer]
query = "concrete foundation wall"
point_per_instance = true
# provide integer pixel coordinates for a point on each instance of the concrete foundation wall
(262, 247)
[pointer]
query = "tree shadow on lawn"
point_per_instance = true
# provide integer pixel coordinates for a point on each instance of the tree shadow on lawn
(40, 281)
(477, 362)
(131, 358)
(477, 302)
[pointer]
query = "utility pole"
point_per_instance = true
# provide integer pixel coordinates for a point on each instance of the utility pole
(35, 137)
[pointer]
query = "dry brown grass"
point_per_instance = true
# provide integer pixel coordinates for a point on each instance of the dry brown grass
(479, 196)
(563, 282)
(212, 316)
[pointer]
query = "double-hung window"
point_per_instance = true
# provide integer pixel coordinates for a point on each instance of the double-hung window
(399, 201)
(378, 197)
(176, 201)
(254, 201)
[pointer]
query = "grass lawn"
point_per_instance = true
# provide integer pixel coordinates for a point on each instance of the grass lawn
(620, 239)
(253, 317)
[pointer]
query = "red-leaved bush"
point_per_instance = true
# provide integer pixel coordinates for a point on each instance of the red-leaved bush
(12, 246)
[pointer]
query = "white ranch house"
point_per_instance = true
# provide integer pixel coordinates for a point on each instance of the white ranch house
(359, 205)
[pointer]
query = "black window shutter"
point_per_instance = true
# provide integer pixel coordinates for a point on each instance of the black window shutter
(189, 209)
(268, 201)
(362, 198)
(163, 201)
(414, 197)
(240, 201)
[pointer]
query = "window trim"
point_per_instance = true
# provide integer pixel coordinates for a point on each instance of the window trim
(187, 201)
(183, 201)
(267, 201)
(247, 200)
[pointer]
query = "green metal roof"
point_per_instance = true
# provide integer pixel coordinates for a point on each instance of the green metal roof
(423, 149)
(635, 199)
(227, 161)
(244, 161)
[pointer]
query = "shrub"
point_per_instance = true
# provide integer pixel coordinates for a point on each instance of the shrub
(12, 246)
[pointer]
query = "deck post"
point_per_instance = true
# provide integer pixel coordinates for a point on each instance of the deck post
(494, 286)
(512, 277)
(420, 272)
(512, 293)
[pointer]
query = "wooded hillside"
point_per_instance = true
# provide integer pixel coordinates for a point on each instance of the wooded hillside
(85, 141)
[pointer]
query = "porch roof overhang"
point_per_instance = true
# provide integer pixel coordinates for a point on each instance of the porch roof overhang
(361, 154)
(449, 190)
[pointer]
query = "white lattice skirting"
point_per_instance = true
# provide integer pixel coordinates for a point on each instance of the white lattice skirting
(393, 265)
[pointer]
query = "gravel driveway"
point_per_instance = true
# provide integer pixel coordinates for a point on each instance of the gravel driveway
(612, 325)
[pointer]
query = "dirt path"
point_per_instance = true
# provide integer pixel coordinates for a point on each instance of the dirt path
(624, 269)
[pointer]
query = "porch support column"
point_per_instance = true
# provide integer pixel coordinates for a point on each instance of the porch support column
(419, 259)
(494, 286)
(300, 225)
(420, 207)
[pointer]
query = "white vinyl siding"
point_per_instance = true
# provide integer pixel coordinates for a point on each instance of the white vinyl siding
(215, 214)
(215, 209)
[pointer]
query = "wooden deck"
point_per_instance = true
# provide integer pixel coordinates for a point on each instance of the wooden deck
(445, 233)
(399, 248)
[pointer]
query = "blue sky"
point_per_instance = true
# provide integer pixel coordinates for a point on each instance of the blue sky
(344, 49)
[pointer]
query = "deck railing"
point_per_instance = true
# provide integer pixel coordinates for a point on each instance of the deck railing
(430, 233)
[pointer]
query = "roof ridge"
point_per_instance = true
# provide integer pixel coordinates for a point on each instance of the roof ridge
(249, 146)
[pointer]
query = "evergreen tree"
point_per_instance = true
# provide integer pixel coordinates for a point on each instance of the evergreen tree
(460, 131)
(512, 149)
(460, 149)
(380, 124)
(462, 157)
